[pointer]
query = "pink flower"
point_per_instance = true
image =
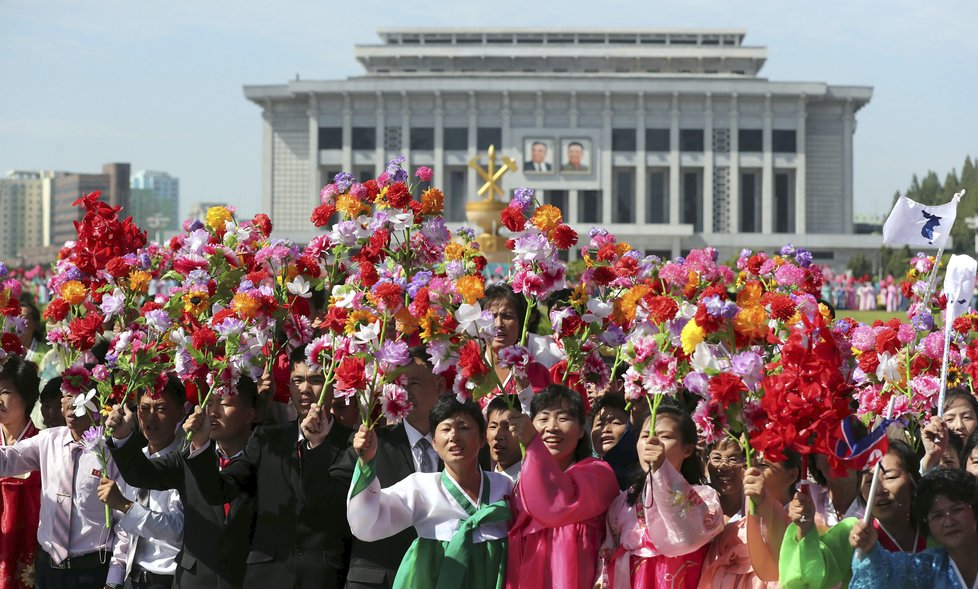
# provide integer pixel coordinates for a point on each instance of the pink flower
(395, 403)
(789, 275)
(328, 194)
(925, 389)
(933, 345)
(707, 425)
(423, 173)
(863, 338)
(905, 333)
(318, 352)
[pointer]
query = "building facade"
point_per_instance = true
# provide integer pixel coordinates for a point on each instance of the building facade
(25, 206)
(670, 139)
(154, 202)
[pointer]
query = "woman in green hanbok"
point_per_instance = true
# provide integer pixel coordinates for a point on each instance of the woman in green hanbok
(461, 514)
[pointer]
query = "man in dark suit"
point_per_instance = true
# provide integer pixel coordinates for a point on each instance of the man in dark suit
(538, 158)
(300, 520)
(402, 449)
(216, 538)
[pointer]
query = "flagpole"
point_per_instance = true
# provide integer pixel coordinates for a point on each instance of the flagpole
(933, 277)
(947, 350)
(874, 486)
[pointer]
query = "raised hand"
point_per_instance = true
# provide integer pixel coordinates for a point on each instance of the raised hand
(754, 484)
(121, 421)
(109, 493)
(521, 427)
(365, 444)
(863, 537)
(198, 428)
(654, 453)
(314, 425)
(801, 511)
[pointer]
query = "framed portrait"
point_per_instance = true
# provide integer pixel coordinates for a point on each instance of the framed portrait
(575, 156)
(538, 155)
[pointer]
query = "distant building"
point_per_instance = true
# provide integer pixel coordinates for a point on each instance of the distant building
(670, 138)
(25, 205)
(154, 202)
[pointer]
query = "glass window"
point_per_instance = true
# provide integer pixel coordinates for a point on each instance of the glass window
(657, 203)
(784, 204)
(455, 198)
(657, 140)
(489, 136)
(589, 206)
(784, 141)
(364, 138)
(331, 138)
(692, 210)
(749, 211)
(691, 140)
(457, 138)
(423, 138)
(623, 139)
(750, 140)
(623, 210)
(558, 198)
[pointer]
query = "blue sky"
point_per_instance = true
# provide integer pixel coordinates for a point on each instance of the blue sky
(159, 83)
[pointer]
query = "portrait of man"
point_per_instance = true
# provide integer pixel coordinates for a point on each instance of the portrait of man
(576, 155)
(538, 156)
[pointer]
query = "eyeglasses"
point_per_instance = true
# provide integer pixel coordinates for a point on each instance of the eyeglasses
(942, 516)
(730, 461)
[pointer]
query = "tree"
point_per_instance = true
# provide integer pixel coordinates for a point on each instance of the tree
(859, 265)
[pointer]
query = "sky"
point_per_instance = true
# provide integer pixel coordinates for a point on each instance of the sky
(158, 83)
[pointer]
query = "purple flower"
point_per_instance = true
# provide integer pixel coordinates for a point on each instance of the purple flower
(923, 321)
(522, 198)
(92, 439)
(343, 181)
(112, 303)
(454, 269)
(73, 273)
(613, 336)
(191, 225)
(749, 366)
(714, 306)
(417, 281)
(100, 372)
(394, 353)
(158, 320)
(788, 250)
(144, 261)
(394, 170)
(514, 356)
(229, 327)
(804, 258)
(696, 383)
(3, 270)
(467, 233)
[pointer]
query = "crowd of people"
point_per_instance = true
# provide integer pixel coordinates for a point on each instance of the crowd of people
(539, 485)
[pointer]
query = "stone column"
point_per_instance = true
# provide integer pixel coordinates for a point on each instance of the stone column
(380, 151)
(674, 163)
(641, 163)
(470, 182)
(708, 165)
(607, 163)
(347, 133)
(315, 177)
(406, 133)
(767, 172)
(267, 163)
(801, 171)
(848, 128)
(439, 153)
(733, 194)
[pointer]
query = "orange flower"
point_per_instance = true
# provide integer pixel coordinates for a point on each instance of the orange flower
(622, 248)
(751, 321)
(454, 251)
(74, 292)
(546, 218)
(471, 288)
(245, 305)
(625, 305)
(350, 206)
(432, 201)
(406, 323)
(750, 295)
(139, 280)
(429, 325)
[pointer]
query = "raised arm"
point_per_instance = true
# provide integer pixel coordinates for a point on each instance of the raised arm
(22, 457)
(375, 513)
(558, 498)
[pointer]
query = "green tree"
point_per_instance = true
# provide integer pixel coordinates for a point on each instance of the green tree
(859, 265)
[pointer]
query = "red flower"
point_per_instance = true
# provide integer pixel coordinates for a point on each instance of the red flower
(662, 308)
(150, 306)
(869, 362)
(372, 189)
(419, 306)
(57, 310)
(309, 266)
(321, 214)
(204, 338)
(389, 296)
(83, 330)
(262, 221)
(887, 342)
(335, 319)
(626, 267)
(607, 252)
(603, 275)
(782, 307)
(118, 267)
(351, 374)
(398, 196)
(470, 360)
(962, 325)
(513, 219)
(563, 237)
(11, 344)
(726, 389)
(755, 262)
(368, 274)
(570, 325)
(480, 262)
(704, 319)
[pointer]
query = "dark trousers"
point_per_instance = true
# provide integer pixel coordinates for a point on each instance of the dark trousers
(87, 577)
(139, 579)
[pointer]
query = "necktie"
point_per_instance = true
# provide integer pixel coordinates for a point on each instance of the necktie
(61, 528)
(222, 462)
(427, 464)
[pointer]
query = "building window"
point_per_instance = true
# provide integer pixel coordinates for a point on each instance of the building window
(691, 140)
(750, 140)
(623, 209)
(657, 203)
(692, 208)
(364, 138)
(487, 136)
(455, 198)
(457, 138)
(392, 138)
(784, 204)
(784, 141)
(331, 138)
(657, 140)
(623, 140)
(750, 212)
(557, 198)
(364, 174)
(423, 138)
(589, 206)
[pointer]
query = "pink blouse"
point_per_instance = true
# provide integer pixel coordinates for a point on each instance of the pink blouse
(558, 521)
(728, 564)
(662, 539)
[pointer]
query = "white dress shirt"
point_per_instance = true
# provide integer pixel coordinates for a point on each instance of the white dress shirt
(155, 525)
(413, 437)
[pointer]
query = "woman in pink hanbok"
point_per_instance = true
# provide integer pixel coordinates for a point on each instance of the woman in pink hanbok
(560, 500)
(659, 530)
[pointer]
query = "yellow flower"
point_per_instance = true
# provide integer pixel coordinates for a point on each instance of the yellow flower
(579, 296)
(622, 248)
(429, 326)
(195, 301)
(432, 201)
(454, 251)
(139, 280)
(246, 306)
(691, 336)
(471, 288)
(74, 292)
(350, 206)
(625, 305)
(355, 318)
(217, 218)
(546, 218)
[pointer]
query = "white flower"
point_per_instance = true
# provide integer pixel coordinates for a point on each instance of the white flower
(300, 287)
(889, 368)
(344, 295)
(401, 221)
(179, 337)
(197, 240)
(471, 319)
(598, 310)
(369, 333)
(83, 404)
(703, 358)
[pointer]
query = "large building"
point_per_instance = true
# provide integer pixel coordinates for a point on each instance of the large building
(25, 210)
(154, 202)
(671, 139)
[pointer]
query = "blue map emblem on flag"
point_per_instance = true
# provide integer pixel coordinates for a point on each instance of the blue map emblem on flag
(932, 223)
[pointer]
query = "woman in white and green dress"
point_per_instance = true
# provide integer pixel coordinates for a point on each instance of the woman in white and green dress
(461, 514)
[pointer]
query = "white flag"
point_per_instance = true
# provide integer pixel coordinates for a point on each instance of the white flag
(911, 223)
(959, 286)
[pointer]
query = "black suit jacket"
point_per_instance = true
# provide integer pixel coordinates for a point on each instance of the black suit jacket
(374, 564)
(300, 520)
(214, 547)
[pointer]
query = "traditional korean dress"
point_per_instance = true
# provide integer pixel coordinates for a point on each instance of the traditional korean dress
(821, 562)
(728, 562)
(460, 544)
(662, 539)
(558, 521)
(881, 569)
(20, 507)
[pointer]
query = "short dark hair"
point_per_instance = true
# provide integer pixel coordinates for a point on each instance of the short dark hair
(535, 143)
(505, 292)
(956, 485)
(23, 373)
(298, 356)
(556, 396)
(51, 390)
(420, 352)
(608, 401)
(248, 391)
(501, 403)
(969, 446)
(448, 406)
(573, 143)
